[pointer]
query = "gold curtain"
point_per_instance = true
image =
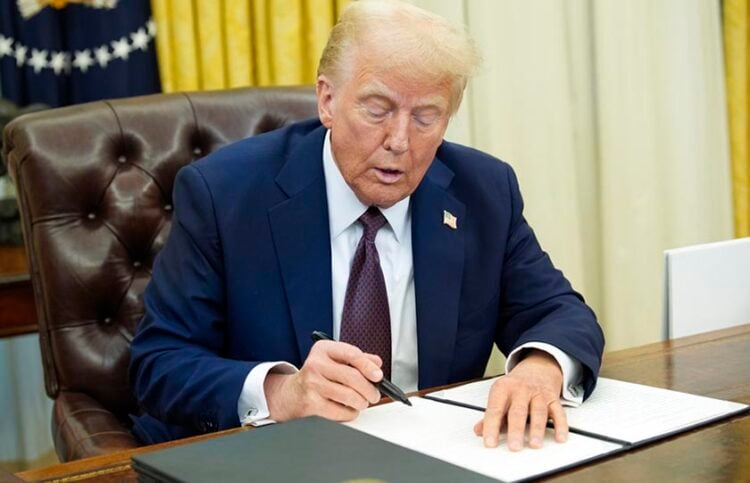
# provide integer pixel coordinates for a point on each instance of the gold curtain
(737, 59)
(214, 44)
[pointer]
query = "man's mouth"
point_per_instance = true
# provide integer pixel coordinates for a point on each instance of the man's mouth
(389, 176)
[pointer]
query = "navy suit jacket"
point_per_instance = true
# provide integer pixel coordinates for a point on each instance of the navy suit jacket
(245, 277)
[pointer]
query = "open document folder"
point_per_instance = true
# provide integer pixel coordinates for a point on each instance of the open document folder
(622, 411)
(618, 417)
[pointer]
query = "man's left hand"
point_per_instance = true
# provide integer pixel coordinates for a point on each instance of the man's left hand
(530, 391)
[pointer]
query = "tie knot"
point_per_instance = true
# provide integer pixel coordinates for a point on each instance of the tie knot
(372, 220)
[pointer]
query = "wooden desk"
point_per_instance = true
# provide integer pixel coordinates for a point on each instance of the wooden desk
(17, 310)
(715, 364)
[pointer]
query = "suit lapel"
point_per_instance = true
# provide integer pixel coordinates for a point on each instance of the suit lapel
(302, 239)
(438, 252)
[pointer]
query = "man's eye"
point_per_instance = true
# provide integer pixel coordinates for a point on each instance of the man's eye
(377, 113)
(425, 120)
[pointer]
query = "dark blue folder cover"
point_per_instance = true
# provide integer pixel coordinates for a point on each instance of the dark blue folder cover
(310, 450)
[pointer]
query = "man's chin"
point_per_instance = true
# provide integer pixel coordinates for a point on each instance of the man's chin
(382, 200)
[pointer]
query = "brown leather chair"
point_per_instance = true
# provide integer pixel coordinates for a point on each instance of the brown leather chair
(94, 184)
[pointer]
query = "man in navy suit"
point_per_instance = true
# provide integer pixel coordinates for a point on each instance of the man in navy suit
(272, 240)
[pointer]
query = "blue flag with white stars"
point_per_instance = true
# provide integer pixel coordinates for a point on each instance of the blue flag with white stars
(66, 52)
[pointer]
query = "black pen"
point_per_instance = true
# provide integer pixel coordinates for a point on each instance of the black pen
(386, 387)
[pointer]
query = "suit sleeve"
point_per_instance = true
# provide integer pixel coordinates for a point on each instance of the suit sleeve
(538, 303)
(177, 371)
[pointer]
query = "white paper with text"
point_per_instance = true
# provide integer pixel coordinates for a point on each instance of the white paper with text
(446, 432)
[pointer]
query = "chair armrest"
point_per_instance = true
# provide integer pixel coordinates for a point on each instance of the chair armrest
(82, 427)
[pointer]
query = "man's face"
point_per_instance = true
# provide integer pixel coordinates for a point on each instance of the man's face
(385, 130)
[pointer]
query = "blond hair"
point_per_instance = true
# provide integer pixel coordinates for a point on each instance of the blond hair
(409, 40)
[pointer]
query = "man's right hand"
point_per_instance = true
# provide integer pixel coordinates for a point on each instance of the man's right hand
(335, 382)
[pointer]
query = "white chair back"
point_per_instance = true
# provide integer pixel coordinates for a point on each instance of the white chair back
(707, 287)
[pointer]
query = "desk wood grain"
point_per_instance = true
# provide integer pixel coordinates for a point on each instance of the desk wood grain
(715, 364)
(17, 309)
(13, 260)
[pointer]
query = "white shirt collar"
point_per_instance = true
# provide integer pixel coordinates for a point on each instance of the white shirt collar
(344, 208)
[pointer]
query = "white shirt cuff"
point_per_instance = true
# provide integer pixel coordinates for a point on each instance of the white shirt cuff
(252, 406)
(572, 370)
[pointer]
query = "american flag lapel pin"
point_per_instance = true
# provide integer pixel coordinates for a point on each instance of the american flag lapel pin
(450, 219)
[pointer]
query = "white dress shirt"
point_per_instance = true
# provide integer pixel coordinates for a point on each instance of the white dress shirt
(393, 242)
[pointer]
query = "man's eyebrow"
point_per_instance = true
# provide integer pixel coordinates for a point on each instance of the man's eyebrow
(375, 91)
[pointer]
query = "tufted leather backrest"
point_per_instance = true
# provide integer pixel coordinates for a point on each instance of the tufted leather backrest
(95, 191)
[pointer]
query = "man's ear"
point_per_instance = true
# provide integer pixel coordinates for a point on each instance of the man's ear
(324, 91)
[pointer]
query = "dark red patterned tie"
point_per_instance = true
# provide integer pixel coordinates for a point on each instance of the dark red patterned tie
(365, 320)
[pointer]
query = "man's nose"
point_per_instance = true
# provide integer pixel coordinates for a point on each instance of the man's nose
(397, 138)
